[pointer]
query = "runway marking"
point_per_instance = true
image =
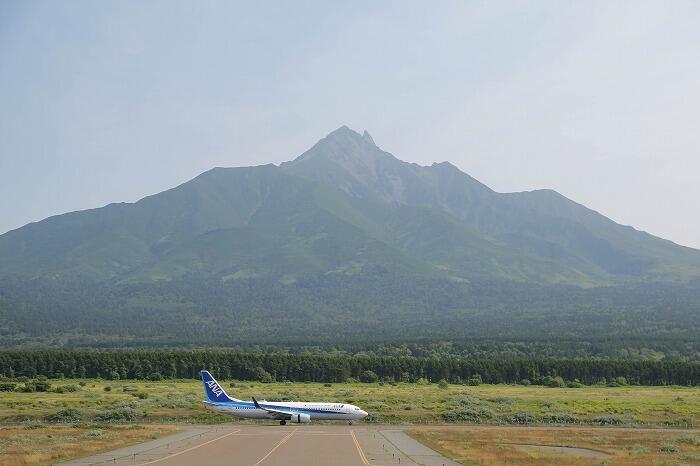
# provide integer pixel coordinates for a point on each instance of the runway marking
(279, 444)
(359, 449)
(191, 448)
(297, 434)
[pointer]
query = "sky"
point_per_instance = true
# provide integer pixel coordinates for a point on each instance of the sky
(111, 101)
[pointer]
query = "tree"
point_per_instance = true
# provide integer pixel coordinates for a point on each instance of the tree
(368, 376)
(262, 375)
(475, 380)
(41, 384)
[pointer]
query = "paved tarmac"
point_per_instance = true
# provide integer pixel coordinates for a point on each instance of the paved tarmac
(270, 445)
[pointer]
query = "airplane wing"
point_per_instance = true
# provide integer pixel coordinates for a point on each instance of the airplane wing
(275, 413)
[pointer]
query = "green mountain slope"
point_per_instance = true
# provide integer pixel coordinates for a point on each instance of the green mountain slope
(345, 240)
(541, 234)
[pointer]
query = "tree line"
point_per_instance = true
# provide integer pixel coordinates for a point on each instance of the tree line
(335, 367)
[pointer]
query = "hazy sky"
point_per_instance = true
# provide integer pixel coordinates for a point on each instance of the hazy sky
(110, 101)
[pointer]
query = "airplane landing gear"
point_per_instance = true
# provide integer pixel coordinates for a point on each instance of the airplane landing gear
(349, 423)
(283, 423)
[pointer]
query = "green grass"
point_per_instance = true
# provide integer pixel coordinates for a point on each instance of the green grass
(180, 401)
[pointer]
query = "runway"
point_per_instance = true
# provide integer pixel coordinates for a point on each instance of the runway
(262, 445)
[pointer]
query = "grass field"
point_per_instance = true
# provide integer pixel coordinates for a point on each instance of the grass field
(491, 445)
(180, 401)
(40, 444)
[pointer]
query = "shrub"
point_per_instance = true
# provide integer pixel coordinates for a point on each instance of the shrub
(525, 382)
(28, 387)
(41, 384)
(130, 388)
(7, 386)
(668, 448)
(476, 415)
(522, 418)
(140, 395)
(556, 382)
(117, 415)
(608, 421)
(574, 384)
(82, 383)
(65, 388)
(155, 376)
(475, 380)
(559, 418)
(443, 384)
(64, 416)
(423, 381)
(621, 381)
(466, 400)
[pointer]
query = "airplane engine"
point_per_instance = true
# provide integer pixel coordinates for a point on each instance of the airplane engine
(300, 418)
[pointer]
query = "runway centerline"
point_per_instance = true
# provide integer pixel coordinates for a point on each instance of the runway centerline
(279, 444)
(268, 445)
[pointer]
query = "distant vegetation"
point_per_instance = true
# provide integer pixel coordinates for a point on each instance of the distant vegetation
(107, 402)
(350, 310)
(328, 367)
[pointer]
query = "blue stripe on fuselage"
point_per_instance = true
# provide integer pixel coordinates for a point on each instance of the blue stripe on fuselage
(243, 404)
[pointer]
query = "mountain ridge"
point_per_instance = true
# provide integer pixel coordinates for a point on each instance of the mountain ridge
(345, 234)
(542, 224)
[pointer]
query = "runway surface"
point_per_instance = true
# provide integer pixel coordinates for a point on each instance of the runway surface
(261, 445)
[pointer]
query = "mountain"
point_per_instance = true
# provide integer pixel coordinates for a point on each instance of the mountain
(344, 238)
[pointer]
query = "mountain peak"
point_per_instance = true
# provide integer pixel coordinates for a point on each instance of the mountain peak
(344, 134)
(344, 146)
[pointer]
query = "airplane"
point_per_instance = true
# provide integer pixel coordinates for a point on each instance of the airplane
(295, 412)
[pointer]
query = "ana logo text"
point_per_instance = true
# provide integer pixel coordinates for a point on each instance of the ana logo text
(215, 388)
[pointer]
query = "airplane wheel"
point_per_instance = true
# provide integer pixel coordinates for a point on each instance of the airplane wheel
(283, 423)
(349, 423)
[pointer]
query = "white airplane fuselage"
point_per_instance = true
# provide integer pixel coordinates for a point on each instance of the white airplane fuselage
(316, 410)
(297, 412)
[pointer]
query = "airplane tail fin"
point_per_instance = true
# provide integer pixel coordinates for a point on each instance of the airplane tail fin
(212, 389)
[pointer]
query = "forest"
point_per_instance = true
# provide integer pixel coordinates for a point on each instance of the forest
(338, 367)
(352, 311)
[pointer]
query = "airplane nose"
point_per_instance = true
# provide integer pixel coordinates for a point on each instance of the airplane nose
(364, 413)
